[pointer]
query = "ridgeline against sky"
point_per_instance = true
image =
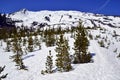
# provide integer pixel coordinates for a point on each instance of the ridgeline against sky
(107, 7)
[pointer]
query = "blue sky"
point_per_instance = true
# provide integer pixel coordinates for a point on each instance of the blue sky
(108, 7)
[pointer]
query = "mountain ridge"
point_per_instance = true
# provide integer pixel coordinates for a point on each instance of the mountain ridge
(69, 18)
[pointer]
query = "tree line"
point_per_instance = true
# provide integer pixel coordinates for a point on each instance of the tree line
(21, 40)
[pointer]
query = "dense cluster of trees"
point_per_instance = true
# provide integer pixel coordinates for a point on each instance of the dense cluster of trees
(63, 60)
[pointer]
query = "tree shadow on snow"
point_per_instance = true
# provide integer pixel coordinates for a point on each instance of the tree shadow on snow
(28, 56)
(91, 61)
(92, 54)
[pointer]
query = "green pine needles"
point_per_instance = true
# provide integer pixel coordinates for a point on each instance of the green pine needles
(81, 46)
(63, 61)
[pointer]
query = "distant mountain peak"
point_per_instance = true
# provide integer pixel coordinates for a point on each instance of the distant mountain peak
(24, 10)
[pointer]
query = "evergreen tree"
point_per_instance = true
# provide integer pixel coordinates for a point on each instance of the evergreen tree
(66, 58)
(81, 46)
(17, 57)
(49, 63)
(50, 38)
(22, 31)
(59, 30)
(16, 46)
(8, 46)
(101, 43)
(90, 36)
(30, 44)
(63, 61)
(42, 72)
(24, 41)
(38, 31)
(2, 76)
(37, 42)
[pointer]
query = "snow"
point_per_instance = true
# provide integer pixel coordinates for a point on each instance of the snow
(57, 17)
(105, 65)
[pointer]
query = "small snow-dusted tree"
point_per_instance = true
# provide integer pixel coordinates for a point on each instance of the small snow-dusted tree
(66, 57)
(8, 46)
(42, 72)
(2, 76)
(17, 57)
(101, 43)
(30, 44)
(49, 63)
(63, 61)
(115, 51)
(90, 36)
(24, 41)
(50, 38)
(37, 42)
(59, 60)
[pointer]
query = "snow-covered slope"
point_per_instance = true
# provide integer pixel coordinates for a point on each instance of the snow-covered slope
(105, 65)
(65, 18)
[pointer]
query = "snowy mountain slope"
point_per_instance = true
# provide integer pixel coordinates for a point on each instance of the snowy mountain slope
(65, 18)
(105, 65)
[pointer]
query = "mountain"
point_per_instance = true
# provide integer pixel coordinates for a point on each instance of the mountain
(104, 46)
(63, 18)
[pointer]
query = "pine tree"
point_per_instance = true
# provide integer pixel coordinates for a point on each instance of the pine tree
(50, 38)
(30, 44)
(81, 46)
(101, 43)
(8, 46)
(49, 63)
(42, 72)
(17, 47)
(90, 36)
(66, 58)
(24, 41)
(22, 31)
(37, 42)
(17, 57)
(2, 76)
(63, 61)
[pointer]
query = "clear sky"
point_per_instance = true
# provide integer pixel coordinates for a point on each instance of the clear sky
(108, 7)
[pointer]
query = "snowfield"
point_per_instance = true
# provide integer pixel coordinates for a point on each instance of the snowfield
(63, 18)
(105, 65)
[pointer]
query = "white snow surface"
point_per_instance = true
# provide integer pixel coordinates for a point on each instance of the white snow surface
(105, 65)
(65, 18)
